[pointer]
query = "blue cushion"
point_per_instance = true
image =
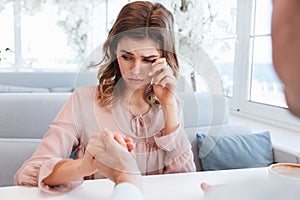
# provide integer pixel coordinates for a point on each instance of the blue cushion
(235, 151)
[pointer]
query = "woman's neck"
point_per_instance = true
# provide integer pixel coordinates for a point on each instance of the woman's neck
(136, 103)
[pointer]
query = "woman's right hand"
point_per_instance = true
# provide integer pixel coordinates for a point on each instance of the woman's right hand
(88, 164)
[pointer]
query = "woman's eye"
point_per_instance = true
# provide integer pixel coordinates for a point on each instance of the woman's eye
(126, 57)
(149, 61)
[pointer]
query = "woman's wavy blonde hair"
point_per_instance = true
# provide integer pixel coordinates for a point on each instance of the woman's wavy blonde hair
(138, 20)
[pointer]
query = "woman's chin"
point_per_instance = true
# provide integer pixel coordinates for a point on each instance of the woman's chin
(135, 88)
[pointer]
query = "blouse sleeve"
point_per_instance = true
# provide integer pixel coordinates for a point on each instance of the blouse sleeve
(55, 147)
(179, 156)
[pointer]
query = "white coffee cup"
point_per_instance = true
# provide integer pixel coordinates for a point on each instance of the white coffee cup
(284, 180)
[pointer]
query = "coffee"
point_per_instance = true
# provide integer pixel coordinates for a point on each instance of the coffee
(286, 169)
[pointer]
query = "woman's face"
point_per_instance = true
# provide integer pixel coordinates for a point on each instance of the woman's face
(135, 58)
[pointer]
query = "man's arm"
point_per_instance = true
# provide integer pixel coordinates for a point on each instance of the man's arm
(286, 49)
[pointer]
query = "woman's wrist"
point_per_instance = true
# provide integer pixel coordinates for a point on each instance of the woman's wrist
(80, 167)
(170, 104)
(64, 172)
(171, 118)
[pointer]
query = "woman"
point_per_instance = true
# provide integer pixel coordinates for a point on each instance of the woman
(135, 98)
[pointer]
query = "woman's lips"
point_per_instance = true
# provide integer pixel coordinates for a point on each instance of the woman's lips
(135, 80)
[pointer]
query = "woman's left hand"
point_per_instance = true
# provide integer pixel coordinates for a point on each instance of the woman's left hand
(164, 82)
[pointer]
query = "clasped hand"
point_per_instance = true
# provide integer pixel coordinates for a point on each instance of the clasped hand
(109, 154)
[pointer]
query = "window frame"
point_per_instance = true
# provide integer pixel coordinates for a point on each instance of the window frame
(240, 103)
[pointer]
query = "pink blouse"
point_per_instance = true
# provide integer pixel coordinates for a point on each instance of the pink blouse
(81, 116)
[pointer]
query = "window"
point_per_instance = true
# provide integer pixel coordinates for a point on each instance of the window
(265, 85)
(53, 35)
(211, 26)
(7, 36)
(257, 91)
(219, 38)
(44, 43)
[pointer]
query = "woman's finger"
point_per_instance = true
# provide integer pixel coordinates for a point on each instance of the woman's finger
(158, 69)
(130, 144)
(160, 61)
(159, 66)
(168, 82)
(118, 137)
(162, 74)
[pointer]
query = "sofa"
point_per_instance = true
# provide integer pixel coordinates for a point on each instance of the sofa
(45, 82)
(25, 118)
(53, 82)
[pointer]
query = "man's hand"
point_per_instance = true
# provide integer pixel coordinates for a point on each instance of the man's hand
(113, 159)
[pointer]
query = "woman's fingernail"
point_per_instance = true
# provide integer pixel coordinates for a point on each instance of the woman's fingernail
(107, 131)
(153, 64)
(150, 74)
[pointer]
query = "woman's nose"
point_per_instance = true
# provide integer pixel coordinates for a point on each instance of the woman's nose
(136, 67)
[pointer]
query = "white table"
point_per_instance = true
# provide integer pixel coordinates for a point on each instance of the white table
(185, 186)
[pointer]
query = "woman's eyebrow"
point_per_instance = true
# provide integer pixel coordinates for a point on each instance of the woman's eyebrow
(127, 52)
(151, 56)
(145, 57)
